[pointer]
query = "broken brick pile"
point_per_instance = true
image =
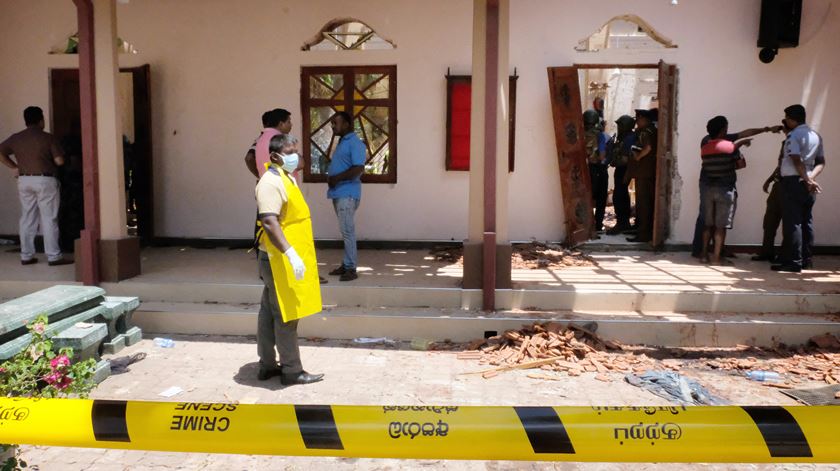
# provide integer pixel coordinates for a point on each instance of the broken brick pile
(533, 256)
(553, 346)
(576, 350)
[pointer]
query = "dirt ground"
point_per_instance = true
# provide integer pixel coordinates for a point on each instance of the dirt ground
(223, 369)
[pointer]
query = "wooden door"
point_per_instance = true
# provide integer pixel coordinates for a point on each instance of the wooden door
(575, 184)
(665, 152)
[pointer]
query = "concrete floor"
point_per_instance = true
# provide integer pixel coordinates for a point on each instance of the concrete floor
(625, 272)
(222, 369)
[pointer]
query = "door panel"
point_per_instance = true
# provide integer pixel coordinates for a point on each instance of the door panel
(571, 155)
(665, 153)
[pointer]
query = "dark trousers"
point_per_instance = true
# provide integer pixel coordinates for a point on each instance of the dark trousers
(645, 199)
(700, 225)
(621, 197)
(273, 335)
(772, 220)
(600, 188)
(797, 222)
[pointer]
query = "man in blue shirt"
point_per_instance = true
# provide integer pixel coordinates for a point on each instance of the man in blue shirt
(344, 177)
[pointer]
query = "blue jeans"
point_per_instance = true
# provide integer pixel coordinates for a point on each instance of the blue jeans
(345, 209)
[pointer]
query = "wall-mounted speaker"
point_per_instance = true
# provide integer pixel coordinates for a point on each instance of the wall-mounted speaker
(779, 27)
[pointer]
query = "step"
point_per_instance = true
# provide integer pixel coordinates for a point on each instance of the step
(631, 327)
(556, 300)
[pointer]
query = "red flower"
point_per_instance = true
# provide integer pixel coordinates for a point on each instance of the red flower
(59, 362)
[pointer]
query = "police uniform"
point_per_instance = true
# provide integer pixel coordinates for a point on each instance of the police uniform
(619, 152)
(600, 178)
(644, 172)
(797, 201)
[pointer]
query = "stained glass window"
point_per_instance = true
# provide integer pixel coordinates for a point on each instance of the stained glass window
(369, 94)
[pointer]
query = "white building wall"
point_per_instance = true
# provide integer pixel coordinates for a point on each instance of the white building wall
(217, 65)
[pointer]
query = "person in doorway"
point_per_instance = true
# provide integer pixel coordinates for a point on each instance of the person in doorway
(699, 225)
(287, 264)
(596, 153)
(276, 121)
(38, 155)
(620, 152)
(799, 170)
(642, 169)
(721, 158)
(344, 177)
(772, 211)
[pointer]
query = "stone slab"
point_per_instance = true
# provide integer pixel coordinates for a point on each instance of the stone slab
(133, 335)
(57, 302)
(80, 337)
(12, 347)
(115, 345)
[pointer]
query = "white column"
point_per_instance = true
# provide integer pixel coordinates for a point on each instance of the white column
(108, 123)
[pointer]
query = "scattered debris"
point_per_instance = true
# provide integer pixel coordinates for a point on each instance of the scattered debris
(824, 396)
(809, 362)
(418, 343)
(826, 341)
(120, 365)
(171, 392)
(556, 347)
(374, 341)
(533, 255)
(538, 255)
(674, 387)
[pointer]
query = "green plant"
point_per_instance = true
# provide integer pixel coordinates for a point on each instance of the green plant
(39, 372)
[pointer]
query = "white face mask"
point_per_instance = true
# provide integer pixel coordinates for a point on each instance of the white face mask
(290, 162)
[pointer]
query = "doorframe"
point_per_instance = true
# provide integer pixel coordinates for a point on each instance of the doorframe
(141, 80)
(661, 228)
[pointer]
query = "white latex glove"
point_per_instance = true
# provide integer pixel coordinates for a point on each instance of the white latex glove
(296, 262)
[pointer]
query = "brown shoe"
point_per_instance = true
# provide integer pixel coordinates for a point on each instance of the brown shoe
(31, 261)
(59, 262)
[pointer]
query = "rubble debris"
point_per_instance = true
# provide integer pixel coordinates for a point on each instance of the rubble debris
(575, 350)
(826, 341)
(555, 347)
(533, 255)
(809, 362)
(824, 396)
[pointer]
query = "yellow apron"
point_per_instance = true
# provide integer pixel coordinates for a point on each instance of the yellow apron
(297, 299)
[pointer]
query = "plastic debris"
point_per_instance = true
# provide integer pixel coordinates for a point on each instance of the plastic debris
(164, 343)
(675, 387)
(374, 341)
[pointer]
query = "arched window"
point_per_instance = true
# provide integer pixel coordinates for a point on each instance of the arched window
(347, 34)
(625, 32)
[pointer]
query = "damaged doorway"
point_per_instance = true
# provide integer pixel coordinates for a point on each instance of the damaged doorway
(133, 90)
(623, 88)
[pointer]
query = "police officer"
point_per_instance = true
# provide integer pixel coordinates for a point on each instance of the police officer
(619, 153)
(642, 169)
(596, 153)
(799, 169)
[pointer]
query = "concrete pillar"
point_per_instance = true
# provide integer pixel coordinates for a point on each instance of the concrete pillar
(481, 137)
(109, 124)
(119, 254)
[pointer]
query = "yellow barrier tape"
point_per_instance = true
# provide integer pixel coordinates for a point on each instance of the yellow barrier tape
(604, 434)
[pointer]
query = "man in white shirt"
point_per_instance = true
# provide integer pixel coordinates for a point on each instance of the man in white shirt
(802, 161)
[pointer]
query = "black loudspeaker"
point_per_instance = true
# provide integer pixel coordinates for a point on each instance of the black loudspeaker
(779, 23)
(779, 27)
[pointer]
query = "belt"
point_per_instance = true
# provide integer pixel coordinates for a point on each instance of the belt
(36, 175)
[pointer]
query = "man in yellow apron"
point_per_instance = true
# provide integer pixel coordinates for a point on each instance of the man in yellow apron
(288, 266)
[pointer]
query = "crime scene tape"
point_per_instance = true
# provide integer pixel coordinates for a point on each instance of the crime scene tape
(601, 434)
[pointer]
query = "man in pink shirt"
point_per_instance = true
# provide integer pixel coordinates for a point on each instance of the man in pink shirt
(276, 121)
